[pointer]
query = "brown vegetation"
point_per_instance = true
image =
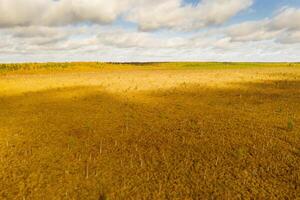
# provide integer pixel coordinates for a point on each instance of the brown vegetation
(231, 134)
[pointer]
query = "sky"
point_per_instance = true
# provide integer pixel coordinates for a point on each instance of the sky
(149, 30)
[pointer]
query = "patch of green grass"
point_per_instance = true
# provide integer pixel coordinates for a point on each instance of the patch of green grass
(241, 152)
(278, 110)
(290, 124)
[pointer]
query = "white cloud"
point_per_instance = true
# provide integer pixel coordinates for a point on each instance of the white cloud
(156, 14)
(147, 14)
(284, 27)
(287, 18)
(252, 31)
(73, 11)
(167, 31)
(290, 38)
(20, 12)
(133, 39)
(59, 12)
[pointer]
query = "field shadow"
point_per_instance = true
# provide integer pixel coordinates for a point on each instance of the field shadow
(183, 142)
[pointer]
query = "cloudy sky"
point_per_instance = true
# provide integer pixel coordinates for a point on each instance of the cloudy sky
(149, 30)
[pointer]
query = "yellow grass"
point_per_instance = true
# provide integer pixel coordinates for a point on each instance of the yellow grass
(136, 132)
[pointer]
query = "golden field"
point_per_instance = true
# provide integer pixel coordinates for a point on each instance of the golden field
(150, 131)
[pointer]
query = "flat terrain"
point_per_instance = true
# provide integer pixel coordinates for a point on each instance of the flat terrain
(150, 131)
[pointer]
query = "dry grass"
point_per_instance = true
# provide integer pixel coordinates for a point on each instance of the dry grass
(151, 134)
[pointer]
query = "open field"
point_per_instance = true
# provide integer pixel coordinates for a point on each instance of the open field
(150, 131)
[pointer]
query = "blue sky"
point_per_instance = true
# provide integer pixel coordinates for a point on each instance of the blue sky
(265, 8)
(149, 30)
